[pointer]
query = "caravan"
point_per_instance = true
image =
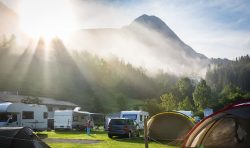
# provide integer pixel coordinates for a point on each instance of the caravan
(24, 115)
(138, 116)
(70, 119)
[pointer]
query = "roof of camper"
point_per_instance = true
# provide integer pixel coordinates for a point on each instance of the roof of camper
(10, 97)
(134, 111)
(71, 111)
(4, 106)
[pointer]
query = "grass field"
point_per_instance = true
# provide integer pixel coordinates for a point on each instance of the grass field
(98, 135)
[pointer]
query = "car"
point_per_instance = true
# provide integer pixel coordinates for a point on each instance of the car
(123, 127)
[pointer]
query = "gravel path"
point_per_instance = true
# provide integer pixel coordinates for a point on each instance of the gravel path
(82, 141)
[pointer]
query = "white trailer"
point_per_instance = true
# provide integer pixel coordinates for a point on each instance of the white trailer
(24, 115)
(70, 119)
(138, 116)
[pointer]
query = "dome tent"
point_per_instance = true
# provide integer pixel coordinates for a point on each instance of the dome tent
(169, 126)
(13, 137)
(229, 127)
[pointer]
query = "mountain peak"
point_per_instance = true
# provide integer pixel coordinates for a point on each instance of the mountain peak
(150, 20)
(155, 23)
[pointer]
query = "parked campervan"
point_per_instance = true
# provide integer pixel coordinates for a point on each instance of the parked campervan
(24, 115)
(187, 113)
(70, 119)
(138, 116)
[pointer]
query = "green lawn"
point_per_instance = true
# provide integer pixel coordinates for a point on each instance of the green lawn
(98, 135)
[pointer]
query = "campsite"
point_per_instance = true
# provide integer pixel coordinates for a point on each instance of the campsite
(167, 129)
(124, 73)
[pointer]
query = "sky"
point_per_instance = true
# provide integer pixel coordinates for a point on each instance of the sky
(215, 28)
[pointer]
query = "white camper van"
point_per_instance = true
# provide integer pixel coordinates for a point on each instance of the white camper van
(70, 119)
(138, 116)
(187, 113)
(24, 115)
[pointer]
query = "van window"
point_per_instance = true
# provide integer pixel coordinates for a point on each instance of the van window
(130, 116)
(140, 117)
(45, 115)
(14, 117)
(28, 115)
(3, 117)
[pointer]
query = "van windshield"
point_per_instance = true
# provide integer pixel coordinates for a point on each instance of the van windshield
(130, 116)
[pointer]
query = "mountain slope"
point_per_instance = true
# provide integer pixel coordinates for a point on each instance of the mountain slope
(148, 37)
(156, 24)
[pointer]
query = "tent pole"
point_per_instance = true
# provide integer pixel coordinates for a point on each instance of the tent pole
(145, 133)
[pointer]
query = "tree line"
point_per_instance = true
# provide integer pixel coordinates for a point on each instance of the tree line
(225, 83)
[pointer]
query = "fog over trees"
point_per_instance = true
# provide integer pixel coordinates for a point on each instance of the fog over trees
(103, 85)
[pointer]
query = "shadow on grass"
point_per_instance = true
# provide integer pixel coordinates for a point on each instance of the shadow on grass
(140, 140)
(130, 140)
(174, 143)
(42, 136)
(78, 132)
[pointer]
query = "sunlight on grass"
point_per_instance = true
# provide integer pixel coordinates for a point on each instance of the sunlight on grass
(98, 135)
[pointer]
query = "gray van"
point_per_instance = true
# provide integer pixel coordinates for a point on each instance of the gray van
(123, 127)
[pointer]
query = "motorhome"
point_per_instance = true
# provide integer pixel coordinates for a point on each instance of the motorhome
(24, 115)
(71, 119)
(138, 116)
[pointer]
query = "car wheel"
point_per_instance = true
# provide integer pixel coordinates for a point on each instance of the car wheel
(110, 136)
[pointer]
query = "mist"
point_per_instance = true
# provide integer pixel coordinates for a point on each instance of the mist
(140, 46)
(133, 43)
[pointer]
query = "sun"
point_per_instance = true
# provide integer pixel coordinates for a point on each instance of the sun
(47, 18)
